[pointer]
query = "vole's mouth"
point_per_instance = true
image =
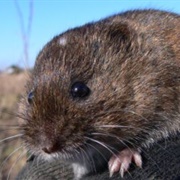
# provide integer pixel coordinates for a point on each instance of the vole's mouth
(58, 152)
(46, 155)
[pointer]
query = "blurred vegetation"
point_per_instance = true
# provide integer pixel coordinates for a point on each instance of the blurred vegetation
(11, 88)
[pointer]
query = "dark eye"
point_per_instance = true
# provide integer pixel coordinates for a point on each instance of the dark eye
(30, 97)
(80, 90)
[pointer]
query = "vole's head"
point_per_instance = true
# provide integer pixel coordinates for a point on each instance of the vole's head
(96, 86)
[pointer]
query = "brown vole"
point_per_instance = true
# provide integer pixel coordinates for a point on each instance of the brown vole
(101, 92)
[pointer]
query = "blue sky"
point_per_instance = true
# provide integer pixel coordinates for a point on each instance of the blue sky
(51, 17)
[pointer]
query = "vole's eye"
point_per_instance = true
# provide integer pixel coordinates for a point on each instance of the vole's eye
(80, 90)
(30, 97)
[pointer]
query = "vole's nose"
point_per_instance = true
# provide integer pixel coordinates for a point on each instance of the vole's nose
(51, 149)
(47, 150)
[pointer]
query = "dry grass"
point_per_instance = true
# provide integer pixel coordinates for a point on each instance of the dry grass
(11, 87)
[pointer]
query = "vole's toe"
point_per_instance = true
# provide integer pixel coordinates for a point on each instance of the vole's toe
(122, 161)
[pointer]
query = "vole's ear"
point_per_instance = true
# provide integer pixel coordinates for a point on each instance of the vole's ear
(120, 34)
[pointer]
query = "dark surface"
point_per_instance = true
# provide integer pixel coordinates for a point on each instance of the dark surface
(162, 161)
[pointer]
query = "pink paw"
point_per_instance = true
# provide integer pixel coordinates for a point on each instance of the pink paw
(122, 161)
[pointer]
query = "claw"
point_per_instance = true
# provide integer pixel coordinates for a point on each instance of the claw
(113, 165)
(137, 159)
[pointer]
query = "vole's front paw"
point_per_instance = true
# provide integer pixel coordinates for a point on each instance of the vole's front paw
(122, 161)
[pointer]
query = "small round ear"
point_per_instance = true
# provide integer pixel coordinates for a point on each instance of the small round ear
(120, 35)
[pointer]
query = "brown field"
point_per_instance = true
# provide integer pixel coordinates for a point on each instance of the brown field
(11, 88)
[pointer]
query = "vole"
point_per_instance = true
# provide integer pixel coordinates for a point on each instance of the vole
(101, 92)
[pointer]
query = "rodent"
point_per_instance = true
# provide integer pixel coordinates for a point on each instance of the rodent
(105, 89)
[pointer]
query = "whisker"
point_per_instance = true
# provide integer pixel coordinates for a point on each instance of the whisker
(114, 111)
(11, 137)
(121, 127)
(6, 159)
(114, 126)
(88, 144)
(114, 136)
(152, 159)
(30, 155)
(129, 173)
(93, 163)
(18, 158)
(67, 155)
(8, 130)
(35, 158)
(107, 149)
(102, 144)
(39, 159)
(10, 126)
(88, 157)
(133, 112)
(23, 117)
(8, 112)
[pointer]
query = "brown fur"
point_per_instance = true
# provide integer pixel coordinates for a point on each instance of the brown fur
(130, 62)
